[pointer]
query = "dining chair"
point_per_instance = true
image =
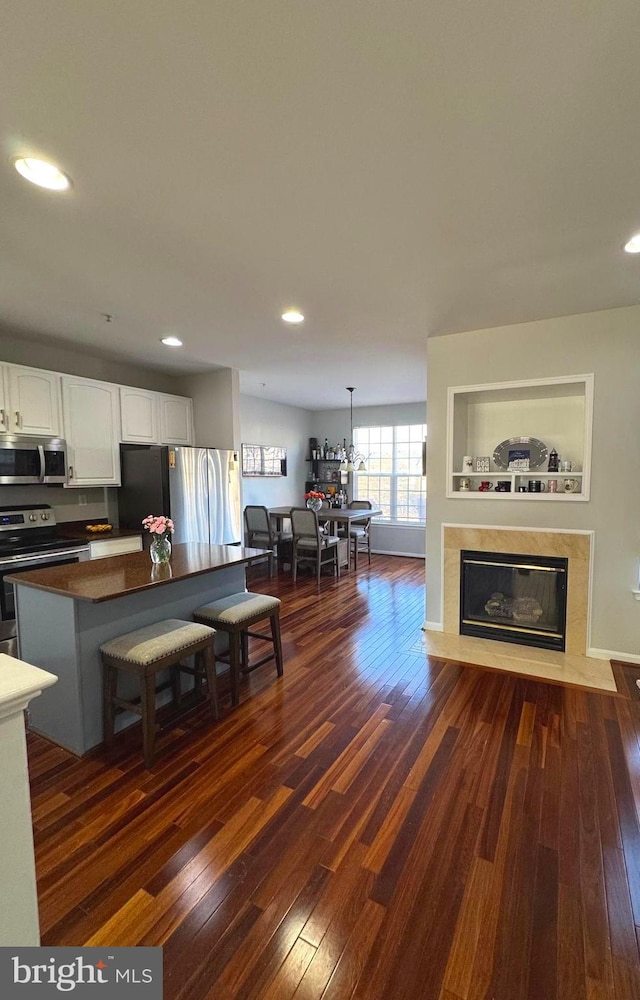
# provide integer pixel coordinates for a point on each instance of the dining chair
(260, 534)
(310, 544)
(360, 531)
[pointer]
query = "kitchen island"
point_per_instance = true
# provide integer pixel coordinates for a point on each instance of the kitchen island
(65, 613)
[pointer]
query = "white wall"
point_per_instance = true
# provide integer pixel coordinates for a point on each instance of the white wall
(334, 424)
(265, 422)
(606, 343)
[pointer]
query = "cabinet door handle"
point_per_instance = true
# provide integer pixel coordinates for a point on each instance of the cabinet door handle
(17, 418)
(70, 472)
(3, 417)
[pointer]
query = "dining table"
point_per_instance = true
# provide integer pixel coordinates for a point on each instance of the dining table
(333, 516)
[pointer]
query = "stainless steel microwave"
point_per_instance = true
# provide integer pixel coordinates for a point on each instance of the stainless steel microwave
(32, 460)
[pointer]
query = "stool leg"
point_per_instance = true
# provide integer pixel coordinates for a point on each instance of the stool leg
(212, 684)
(277, 642)
(175, 684)
(235, 640)
(110, 685)
(199, 670)
(244, 652)
(148, 706)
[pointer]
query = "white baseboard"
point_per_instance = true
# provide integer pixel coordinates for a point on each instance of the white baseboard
(389, 552)
(432, 627)
(612, 654)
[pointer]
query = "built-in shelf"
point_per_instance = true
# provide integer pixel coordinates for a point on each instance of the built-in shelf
(557, 411)
(518, 475)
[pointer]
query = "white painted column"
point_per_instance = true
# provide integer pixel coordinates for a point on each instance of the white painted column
(19, 683)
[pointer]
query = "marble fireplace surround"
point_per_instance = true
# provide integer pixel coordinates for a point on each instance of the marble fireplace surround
(575, 546)
(573, 667)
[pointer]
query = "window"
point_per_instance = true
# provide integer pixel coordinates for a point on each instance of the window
(394, 480)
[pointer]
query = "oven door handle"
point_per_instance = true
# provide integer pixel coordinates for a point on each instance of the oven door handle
(42, 462)
(13, 562)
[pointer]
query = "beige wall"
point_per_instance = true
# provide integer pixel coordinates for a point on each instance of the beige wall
(608, 344)
(216, 407)
(45, 353)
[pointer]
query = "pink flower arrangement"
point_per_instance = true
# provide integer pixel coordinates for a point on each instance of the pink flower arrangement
(158, 524)
(314, 495)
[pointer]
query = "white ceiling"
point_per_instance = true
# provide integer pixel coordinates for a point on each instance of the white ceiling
(396, 169)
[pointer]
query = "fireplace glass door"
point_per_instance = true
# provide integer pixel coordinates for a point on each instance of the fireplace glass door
(514, 598)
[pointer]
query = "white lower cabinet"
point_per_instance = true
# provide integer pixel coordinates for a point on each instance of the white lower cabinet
(104, 547)
(92, 429)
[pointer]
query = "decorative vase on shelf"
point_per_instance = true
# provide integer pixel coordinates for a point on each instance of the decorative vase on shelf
(160, 549)
(314, 503)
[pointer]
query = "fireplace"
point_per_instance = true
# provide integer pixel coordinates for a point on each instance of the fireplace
(514, 598)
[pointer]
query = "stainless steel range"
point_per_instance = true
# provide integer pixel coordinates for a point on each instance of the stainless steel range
(30, 539)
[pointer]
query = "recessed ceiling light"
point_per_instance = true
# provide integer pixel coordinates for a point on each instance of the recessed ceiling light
(633, 246)
(292, 316)
(44, 174)
(171, 342)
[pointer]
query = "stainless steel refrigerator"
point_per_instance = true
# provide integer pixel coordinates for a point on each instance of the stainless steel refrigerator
(199, 488)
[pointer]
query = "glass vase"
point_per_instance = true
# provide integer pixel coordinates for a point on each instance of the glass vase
(314, 503)
(160, 550)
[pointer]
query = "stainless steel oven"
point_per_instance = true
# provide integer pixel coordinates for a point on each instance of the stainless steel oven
(20, 564)
(32, 460)
(30, 539)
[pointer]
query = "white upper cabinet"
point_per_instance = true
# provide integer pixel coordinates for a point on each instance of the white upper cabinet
(4, 399)
(92, 430)
(176, 419)
(155, 417)
(31, 403)
(139, 415)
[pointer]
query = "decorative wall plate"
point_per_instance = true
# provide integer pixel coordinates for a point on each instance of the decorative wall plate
(515, 449)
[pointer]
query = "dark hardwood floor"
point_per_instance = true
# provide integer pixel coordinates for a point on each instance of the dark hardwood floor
(373, 825)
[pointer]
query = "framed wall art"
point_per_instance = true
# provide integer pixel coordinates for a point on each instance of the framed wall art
(263, 460)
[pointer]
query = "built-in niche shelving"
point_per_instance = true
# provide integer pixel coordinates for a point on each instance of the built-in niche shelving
(557, 411)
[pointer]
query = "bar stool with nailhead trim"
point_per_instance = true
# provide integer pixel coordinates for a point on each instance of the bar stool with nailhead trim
(145, 652)
(235, 615)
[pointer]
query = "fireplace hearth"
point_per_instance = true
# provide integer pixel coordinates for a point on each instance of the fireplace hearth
(514, 598)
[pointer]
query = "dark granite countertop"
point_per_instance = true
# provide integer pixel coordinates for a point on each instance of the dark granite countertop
(116, 576)
(77, 530)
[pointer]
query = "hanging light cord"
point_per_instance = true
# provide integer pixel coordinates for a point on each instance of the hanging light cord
(350, 389)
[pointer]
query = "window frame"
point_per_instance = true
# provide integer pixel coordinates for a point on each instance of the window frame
(360, 478)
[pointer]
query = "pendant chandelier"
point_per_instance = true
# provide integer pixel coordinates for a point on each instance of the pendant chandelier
(354, 461)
